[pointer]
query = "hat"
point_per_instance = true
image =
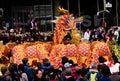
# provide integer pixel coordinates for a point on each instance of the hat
(66, 65)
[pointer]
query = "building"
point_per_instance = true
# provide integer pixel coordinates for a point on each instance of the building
(17, 13)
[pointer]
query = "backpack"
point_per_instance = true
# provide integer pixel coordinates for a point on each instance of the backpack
(93, 77)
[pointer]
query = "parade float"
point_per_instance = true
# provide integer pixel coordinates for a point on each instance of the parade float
(83, 52)
(79, 51)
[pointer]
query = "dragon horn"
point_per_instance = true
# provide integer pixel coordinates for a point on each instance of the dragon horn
(62, 9)
(59, 9)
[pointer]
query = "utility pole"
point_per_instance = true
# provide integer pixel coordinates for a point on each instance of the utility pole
(97, 6)
(51, 2)
(68, 4)
(117, 23)
(79, 7)
(104, 4)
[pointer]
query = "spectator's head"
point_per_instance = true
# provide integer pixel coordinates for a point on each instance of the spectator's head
(46, 62)
(39, 65)
(21, 67)
(25, 61)
(81, 72)
(100, 67)
(93, 65)
(3, 70)
(34, 63)
(76, 66)
(101, 59)
(64, 60)
(68, 71)
(105, 70)
(12, 68)
(38, 74)
(84, 66)
(115, 29)
(71, 62)
(33, 19)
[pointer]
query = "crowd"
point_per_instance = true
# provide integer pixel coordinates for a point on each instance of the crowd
(67, 71)
(20, 37)
(102, 34)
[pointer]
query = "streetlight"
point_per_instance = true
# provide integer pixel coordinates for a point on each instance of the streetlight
(105, 6)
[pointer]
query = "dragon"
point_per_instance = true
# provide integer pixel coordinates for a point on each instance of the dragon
(65, 22)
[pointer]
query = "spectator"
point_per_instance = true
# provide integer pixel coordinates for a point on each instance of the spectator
(92, 70)
(87, 35)
(27, 69)
(64, 60)
(13, 72)
(5, 76)
(22, 74)
(66, 66)
(105, 73)
(119, 38)
(116, 35)
(68, 75)
(46, 67)
(39, 76)
(31, 26)
(101, 62)
(115, 72)
(53, 75)
(46, 64)
(82, 75)
(93, 35)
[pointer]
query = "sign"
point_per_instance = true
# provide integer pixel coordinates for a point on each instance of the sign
(108, 5)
